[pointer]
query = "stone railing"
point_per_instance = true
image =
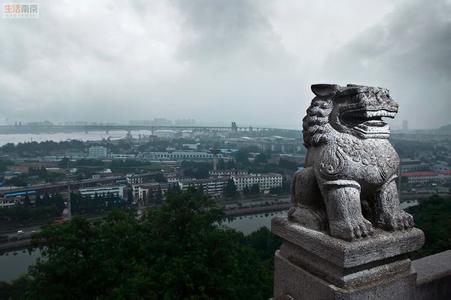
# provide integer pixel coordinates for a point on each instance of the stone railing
(433, 276)
(313, 265)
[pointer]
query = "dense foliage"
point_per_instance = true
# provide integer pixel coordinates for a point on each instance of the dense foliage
(177, 251)
(49, 207)
(4, 164)
(44, 209)
(199, 170)
(434, 218)
(230, 189)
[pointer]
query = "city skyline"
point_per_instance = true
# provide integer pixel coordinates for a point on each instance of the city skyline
(394, 124)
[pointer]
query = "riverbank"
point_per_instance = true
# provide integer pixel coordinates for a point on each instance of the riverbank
(15, 245)
(256, 210)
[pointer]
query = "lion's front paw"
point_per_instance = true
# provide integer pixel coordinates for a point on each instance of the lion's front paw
(351, 230)
(397, 220)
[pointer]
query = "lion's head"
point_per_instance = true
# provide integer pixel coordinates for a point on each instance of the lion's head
(354, 109)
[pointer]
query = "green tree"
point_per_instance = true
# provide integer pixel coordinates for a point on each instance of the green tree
(404, 181)
(159, 177)
(20, 180)
(264, 242)
(158, 196)
(26, 201)
(197, 170)
(288, 165)
(177, 251)
(255, 189)
(261, 158)
(64, 163)
(433, 217)
(221, 164)
(242, 157)
(4, 164)
(230, 189)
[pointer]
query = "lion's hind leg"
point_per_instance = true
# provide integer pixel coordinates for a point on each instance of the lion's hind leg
(308, 206)
(389, 215)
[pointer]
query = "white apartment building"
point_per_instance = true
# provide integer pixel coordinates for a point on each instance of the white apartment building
(97, 152)
(427, 177)
(103, 191)
(144, 191)
(264, 181)
(135, 178)
(213, 187)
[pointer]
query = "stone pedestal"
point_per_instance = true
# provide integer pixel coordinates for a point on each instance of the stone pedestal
(313, 265)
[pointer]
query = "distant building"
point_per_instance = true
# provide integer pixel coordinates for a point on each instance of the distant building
(179, 155)
(405, 125)
(413, 165)
(123, 156)
(427, 177)
(165, 133)
(150, 191)
(103, 191)
(8, 202)
(191, 146)
(234, 127)
(224, 173)
(440, 166)
(421, 177)
(274, 144)
(139, 178)
(264, 181)
(186, 133)
(97, 152)
(212, 187)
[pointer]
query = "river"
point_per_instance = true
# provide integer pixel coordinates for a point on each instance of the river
(250, 223)
(13, 264)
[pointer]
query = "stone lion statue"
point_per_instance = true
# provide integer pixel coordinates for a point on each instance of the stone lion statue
(348, 185)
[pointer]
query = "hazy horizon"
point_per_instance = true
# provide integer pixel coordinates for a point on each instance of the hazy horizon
(246, 61)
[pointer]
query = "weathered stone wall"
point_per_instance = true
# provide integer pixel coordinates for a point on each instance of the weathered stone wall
(433, 276)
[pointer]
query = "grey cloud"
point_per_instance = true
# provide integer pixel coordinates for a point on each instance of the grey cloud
(235, 32)
(409, 52)
(220, 61)
(218, 29)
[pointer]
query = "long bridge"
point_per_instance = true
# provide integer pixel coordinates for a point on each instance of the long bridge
(107, 127)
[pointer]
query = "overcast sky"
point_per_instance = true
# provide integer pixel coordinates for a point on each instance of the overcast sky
(220, 61)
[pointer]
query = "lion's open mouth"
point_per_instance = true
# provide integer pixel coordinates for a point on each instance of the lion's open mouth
(368, 122)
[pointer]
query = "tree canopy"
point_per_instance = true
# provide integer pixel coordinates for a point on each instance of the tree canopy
(433, 217)
(179, 250)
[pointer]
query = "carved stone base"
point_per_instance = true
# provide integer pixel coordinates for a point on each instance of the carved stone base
(313, 265)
